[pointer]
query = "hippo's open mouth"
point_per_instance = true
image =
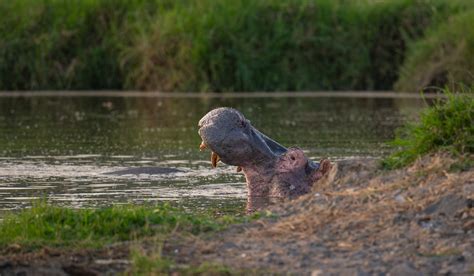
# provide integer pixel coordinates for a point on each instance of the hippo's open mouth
(271, 170)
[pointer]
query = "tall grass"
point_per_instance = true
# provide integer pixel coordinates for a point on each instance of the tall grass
(57, 44)
(271, 45)
(210, 45)
(444, 57)
(448, 125)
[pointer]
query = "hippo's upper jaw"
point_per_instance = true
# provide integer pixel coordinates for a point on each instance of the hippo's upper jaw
(229, 135)
(271, 170)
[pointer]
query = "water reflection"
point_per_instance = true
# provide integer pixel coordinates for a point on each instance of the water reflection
(62, 148)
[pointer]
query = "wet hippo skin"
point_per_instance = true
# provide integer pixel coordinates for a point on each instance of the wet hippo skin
(271, 170)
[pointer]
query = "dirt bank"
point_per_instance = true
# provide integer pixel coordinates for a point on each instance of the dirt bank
(357, 221)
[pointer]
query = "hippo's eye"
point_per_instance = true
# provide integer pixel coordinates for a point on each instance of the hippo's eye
(242, 123)
(293, 158)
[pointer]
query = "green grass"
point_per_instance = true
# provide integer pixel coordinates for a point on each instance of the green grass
(52, 226)
(211, 45)
(445, 56)
(447, 125)
(155, 263)
(46, 225)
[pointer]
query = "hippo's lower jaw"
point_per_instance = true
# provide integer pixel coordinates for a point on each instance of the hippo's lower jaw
(289, 175)
(270, 169)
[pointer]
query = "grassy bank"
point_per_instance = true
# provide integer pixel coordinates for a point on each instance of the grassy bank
(46, 225)
(446, 126)
(212, 45)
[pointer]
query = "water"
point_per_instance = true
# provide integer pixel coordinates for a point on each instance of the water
(61, 148)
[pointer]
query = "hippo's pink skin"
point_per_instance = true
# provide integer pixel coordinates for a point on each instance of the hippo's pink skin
(271, 170)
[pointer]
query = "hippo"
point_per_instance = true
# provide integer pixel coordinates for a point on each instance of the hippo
(271, 170)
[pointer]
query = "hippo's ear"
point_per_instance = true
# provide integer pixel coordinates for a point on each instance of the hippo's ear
(324, 166)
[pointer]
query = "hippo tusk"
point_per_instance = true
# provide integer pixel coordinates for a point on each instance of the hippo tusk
(202, 146)
(214, 159)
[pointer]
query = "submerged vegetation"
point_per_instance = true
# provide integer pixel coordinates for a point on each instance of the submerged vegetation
(448, 126)
(46, 225)
(226, 45)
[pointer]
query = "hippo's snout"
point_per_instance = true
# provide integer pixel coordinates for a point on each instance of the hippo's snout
(233, 140)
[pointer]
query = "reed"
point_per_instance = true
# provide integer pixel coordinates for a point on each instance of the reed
(445, 56)
(210, 45)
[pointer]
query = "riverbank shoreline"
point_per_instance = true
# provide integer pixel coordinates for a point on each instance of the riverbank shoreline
(278, 94)
(358, 219)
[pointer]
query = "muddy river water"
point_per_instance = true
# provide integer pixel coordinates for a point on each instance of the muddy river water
(62, 149)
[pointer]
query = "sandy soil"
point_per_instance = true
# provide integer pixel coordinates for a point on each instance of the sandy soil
(357, 221)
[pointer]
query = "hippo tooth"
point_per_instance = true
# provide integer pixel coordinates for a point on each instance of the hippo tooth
(214, 159)
(202, 146)
(239, 168)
